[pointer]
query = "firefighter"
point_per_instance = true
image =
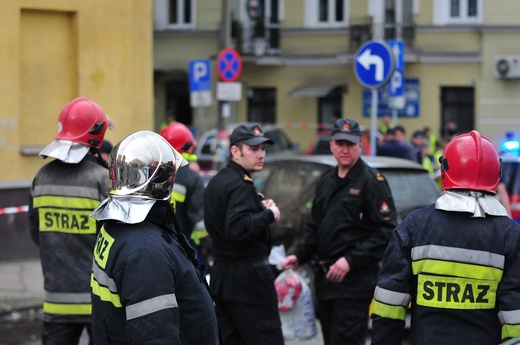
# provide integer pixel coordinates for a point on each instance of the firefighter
(455, 263)
(188, 191)
(146, 284)
(63, 194)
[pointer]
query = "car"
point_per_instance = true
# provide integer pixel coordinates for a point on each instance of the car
(207, 144)
(511, 178)
(291, 181)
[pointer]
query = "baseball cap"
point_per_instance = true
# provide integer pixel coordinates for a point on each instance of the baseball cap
(250, 134)
(346, 129)
(418, 134)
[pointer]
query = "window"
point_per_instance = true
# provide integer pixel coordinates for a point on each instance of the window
(458, 12)
(174, 14)
(326, 13)
(261, 105)
(458, 105)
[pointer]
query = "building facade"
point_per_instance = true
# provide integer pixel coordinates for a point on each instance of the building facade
(56, 50)
(461, 59)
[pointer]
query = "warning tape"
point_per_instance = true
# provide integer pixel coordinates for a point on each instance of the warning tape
(14, 209)
(306, 125)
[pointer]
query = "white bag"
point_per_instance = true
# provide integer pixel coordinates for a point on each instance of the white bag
(295, 306)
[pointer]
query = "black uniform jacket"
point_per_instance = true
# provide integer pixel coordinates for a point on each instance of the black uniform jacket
(462, 277)
(238, 224)
(351, 217)
(145, 289)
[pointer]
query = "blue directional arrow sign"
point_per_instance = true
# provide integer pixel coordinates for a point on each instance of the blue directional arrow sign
(374, 64)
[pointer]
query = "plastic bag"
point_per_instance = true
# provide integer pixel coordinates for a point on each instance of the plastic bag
(277, 256)
(295, 306)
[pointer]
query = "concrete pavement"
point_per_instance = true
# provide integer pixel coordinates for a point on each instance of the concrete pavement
(21, 285)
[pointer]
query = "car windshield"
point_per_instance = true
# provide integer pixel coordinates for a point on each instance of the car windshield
(405, 186)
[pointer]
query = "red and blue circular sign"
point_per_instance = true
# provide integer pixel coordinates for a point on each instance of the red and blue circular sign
(229, 65)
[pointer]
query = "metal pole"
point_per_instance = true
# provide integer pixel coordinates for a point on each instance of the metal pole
(398, 22)
(373, 123)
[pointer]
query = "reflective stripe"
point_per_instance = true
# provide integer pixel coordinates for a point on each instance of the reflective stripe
(150, 306)
(73, 191)
(447, 268)
(509, 316)
(199, 226)
(470, 256)
(510, 331)
(65, 202)
(456, 293)
(102, 248)
(66, 221)
(389, 311)
(67, 309)
(103, 279)
(67, 297)
(392, 297)
(178, 194)
(104, 293)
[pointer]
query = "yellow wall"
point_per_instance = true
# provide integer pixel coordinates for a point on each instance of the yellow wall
(56, 50)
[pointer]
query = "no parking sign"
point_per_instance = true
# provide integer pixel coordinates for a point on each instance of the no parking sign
(229, 65)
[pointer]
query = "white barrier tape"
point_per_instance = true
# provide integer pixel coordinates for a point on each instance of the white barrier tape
(14, 209)
(306, 125)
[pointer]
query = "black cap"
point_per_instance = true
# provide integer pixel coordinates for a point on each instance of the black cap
(346, 129)
(250, 134)
(418, 134)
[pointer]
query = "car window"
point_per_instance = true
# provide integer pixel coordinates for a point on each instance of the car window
(511, 177)
(280, 141)
(208, 146)
(322, 147)
(411, 189)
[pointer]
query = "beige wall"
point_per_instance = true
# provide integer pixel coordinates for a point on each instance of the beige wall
(56, 50)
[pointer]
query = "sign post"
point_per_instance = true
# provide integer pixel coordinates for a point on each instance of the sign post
(200, 88)
(373, 66)
(229, 68)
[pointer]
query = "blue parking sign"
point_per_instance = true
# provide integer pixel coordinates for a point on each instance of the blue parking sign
(200, 75)
(396, 83)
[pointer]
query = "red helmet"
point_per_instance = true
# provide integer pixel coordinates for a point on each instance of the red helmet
(470, 161)
(82, 121)
(179, 136)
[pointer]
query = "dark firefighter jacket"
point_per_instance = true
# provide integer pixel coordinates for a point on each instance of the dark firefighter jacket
(351, 217)
(461, 275)
(238, 224)
(62, 197)
(145, 287)
(188, 197)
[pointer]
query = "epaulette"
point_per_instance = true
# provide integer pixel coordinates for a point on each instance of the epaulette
(378, 176)
(247, 178)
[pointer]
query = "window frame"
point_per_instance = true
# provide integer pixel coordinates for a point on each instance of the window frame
(312, 15)
(442, 16)
(162, 11)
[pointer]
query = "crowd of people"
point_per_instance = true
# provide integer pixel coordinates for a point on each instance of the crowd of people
(123, 239)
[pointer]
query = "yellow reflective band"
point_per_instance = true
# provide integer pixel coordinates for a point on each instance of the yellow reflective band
(104, 293)
(197, 235)
(66, 221)
(510, 331)
(395, 312)
(178, 197)
(102, 249)
(449, 268)
(67, 309)
(65, 202)
(456, 293)
(190, 157)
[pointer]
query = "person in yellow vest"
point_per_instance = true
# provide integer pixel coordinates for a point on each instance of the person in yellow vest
(387, 124)
(431, 139)
(63, 194)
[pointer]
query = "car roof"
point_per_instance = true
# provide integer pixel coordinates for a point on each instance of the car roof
(231, 126)
(377, 162)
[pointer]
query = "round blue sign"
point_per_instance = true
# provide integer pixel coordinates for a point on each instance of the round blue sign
(374, 64)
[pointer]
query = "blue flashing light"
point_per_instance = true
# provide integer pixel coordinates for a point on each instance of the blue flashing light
(511, 146)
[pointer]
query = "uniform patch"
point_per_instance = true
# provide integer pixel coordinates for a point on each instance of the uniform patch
(384, 208)
(354, 191)
(247, 178)
(380, 177)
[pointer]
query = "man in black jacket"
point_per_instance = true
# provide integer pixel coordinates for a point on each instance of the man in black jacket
(353, 215)
(237, 219)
